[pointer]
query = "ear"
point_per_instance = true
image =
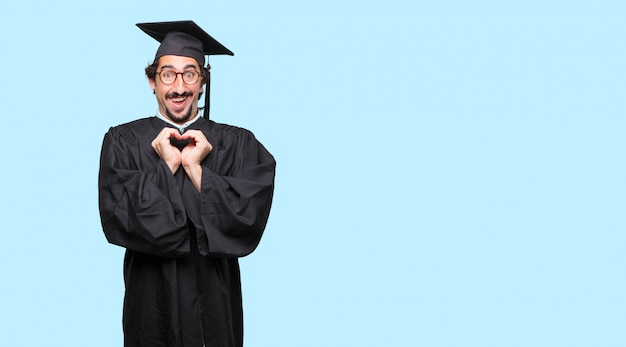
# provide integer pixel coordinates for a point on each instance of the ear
(152, 84)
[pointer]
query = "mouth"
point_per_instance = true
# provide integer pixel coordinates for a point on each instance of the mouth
(178, 99)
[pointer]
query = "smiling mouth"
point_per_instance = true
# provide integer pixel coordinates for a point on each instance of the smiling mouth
(178, 98)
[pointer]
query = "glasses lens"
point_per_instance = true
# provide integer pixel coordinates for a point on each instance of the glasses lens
(190, 77)
(167, 76)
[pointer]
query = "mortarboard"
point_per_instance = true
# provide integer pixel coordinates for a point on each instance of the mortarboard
(185, 38)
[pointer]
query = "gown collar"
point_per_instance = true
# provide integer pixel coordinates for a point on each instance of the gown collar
(181, 128)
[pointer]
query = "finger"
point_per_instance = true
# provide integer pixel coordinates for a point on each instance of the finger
(162, 140)
(196, 135)
(170, 132)
(166, 134)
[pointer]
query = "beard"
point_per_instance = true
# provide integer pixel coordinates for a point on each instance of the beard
(185, 116)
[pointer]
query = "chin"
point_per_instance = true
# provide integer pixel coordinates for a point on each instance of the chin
(181, 117)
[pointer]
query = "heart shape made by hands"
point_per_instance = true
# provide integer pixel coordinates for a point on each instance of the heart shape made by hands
(180, 142)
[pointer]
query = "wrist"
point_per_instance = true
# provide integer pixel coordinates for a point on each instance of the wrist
(194, 172)
(173, 167)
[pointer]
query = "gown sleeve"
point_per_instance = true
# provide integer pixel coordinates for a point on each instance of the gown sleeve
(234, 206)
(141, 206)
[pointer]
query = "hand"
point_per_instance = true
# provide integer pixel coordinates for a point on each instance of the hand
(192, 155)
(165, 150)
(197, 149)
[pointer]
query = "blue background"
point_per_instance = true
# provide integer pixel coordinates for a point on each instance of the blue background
(450, 173)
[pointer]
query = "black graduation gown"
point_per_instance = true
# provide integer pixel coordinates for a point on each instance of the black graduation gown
(180, 269)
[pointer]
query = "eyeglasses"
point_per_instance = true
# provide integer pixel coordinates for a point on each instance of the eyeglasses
(169, 76)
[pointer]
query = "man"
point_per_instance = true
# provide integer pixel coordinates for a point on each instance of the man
(186, 197)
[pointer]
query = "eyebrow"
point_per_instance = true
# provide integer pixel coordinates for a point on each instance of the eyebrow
(172, 67)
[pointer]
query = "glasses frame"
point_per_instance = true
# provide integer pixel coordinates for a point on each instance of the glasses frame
(199, 75)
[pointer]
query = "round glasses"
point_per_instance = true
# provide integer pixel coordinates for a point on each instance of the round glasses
(169, 76)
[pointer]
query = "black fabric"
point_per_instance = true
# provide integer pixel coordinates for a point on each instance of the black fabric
(183, 44)
(183, 38)
(181, 270)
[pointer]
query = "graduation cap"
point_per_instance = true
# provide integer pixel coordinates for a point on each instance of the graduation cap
(187, 39)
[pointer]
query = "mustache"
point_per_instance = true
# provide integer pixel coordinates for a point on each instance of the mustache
(177, 95)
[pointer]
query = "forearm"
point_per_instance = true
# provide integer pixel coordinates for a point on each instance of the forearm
(194, 172)
(142, 211)
(235, 210)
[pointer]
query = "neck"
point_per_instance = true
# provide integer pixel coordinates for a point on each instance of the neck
(181, 127)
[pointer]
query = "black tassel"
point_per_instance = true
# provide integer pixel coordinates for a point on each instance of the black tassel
(207, 99)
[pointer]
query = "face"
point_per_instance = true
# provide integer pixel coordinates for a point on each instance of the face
(177, 101)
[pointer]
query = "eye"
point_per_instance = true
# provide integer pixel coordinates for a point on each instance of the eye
(168, 74)
(190, 74)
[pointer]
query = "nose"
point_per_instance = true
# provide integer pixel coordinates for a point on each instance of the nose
(179, 85)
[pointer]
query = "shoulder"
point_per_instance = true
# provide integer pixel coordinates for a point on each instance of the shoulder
(138, 125)
(229, 131)
(140, 128)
